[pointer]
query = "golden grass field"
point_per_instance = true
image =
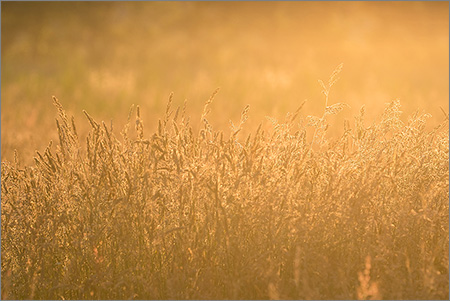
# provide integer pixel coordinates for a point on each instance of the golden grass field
(318, 170)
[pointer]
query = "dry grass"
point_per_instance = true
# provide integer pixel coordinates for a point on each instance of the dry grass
(181, 214)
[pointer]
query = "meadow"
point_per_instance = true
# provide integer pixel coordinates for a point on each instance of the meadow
(244, 192)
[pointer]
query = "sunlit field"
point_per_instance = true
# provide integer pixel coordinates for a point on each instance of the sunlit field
(224, 150)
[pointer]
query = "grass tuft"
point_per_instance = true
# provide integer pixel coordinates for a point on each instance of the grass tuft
(181, 214)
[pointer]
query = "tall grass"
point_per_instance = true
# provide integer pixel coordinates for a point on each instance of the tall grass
(184, 214)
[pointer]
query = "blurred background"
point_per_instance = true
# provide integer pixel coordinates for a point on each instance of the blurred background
(105, 56)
